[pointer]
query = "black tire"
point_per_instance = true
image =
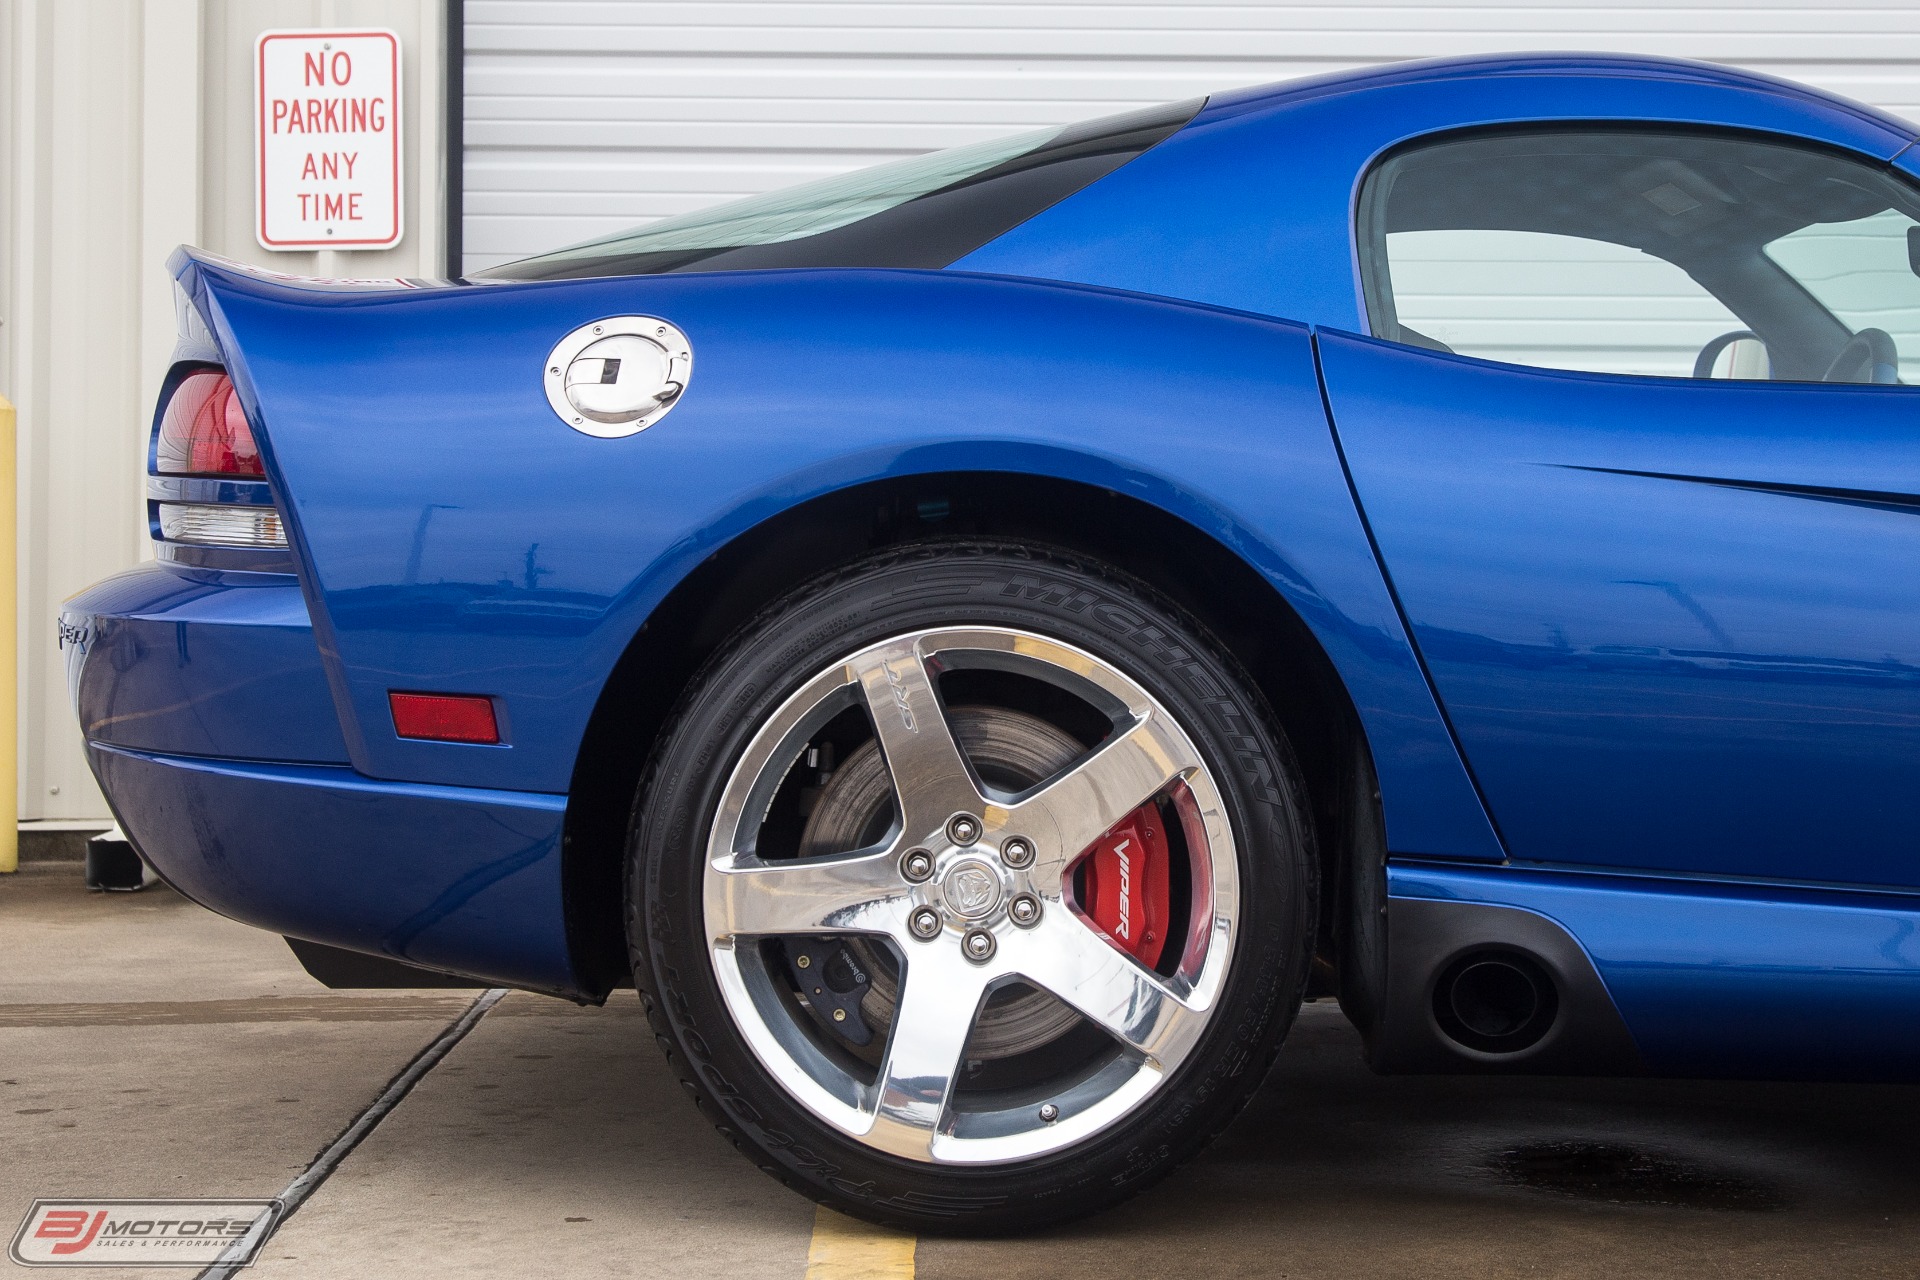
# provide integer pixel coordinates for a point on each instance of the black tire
(1067, 598)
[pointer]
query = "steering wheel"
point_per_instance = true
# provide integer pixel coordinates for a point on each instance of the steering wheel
(1869, 356)
(1703, 363)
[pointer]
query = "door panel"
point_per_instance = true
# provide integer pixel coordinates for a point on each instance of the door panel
(1675, 623)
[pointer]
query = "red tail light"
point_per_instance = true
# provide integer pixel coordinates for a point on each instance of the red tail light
(203, 431)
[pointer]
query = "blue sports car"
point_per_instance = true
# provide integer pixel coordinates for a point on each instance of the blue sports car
(978, 641)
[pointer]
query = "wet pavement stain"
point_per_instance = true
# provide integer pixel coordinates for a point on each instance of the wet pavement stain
(1619, 1174)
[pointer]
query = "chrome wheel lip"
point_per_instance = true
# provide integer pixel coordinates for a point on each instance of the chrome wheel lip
(1161, 1018)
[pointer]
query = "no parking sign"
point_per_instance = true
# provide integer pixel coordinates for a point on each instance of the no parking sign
(327, 139)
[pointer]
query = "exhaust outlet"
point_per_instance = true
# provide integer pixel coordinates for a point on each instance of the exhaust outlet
(1496, 1002)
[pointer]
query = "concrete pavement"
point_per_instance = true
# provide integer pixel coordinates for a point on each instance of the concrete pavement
(149, 1048)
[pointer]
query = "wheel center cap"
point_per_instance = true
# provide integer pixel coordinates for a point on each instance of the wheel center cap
(972, 889)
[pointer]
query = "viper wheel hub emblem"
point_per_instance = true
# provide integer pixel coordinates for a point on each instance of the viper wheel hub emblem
(972, 890)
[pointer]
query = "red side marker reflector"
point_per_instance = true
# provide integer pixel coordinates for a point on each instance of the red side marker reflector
(444, 717)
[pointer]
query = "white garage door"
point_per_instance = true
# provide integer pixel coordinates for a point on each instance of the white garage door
(584, 118)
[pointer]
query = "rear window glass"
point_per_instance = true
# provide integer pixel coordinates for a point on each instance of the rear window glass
(923, 211)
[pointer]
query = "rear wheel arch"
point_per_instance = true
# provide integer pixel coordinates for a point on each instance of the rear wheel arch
(1252, 620)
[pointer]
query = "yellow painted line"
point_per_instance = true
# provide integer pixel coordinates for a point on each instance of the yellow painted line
(848, 1249)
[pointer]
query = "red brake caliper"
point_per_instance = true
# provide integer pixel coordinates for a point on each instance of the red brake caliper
(1127, 884)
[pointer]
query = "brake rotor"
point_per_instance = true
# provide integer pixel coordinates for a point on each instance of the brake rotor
(1009, 750)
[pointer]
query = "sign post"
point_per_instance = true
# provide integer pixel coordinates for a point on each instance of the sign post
(327, 139)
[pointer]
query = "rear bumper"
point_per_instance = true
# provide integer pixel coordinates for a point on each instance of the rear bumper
(452, 878)
(212, 730)
(196, 662)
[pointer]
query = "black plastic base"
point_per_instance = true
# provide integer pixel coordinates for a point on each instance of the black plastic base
(1424, 940)
(113, 865)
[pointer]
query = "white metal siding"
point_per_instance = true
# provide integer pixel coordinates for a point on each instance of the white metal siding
(583, 118)
(126, 129)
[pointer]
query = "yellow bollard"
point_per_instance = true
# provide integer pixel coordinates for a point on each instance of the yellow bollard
(9, 655)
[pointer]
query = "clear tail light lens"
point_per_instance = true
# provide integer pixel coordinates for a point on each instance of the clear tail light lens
(221, 526)
(203, 431)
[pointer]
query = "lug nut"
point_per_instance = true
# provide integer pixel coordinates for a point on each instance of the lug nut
(963, 829)
(925, 922)
(978, 945)
(1024, 910)
(1049, 1113)
(917, 865)
(839, 1015)
(803, 961)
(1017, 852)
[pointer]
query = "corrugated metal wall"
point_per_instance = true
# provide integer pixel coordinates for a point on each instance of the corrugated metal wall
(583, 118)
(126, 129)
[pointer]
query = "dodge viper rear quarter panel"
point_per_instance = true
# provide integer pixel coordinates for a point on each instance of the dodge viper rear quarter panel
(456, 535)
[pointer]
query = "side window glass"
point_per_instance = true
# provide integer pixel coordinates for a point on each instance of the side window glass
(1672, 254)
(1863, 272)
(1555, 301)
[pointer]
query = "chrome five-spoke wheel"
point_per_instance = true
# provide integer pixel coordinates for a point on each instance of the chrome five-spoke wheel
(967, 895)
(969, 887)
